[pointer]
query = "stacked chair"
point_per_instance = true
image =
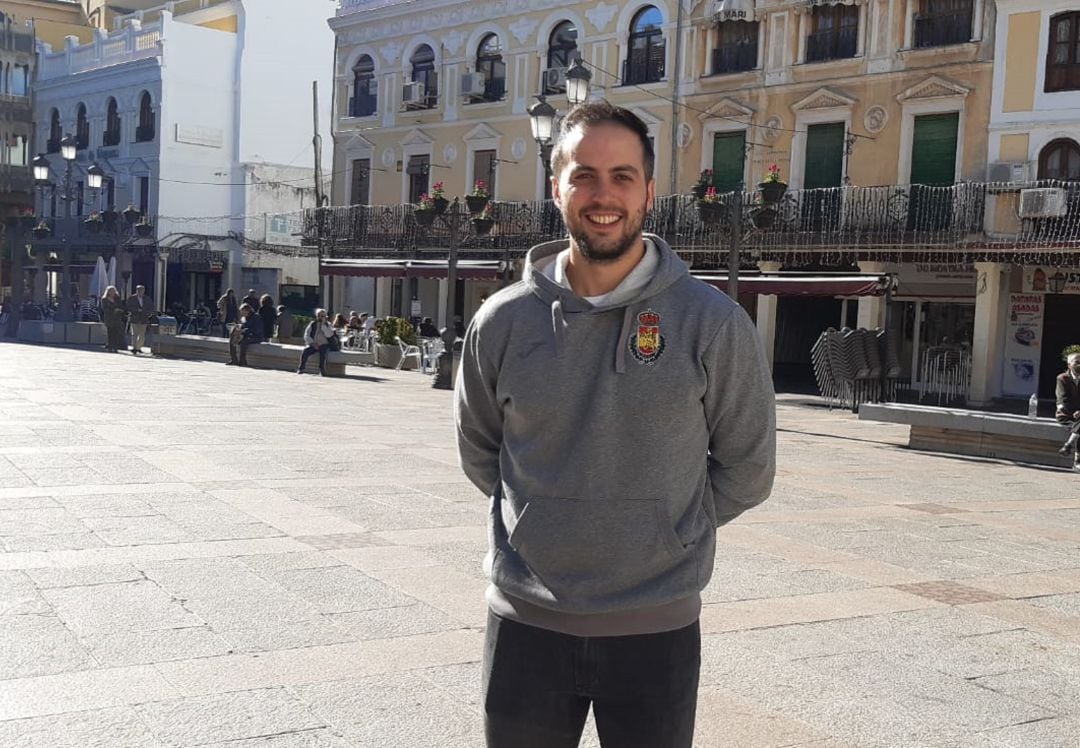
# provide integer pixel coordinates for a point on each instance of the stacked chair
(854, 367)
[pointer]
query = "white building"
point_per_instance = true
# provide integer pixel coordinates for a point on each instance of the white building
(200, 114)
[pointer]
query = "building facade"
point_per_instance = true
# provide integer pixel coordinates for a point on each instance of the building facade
(176, 106)
(875, 112)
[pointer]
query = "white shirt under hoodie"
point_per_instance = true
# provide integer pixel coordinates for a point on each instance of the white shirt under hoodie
(554, 268)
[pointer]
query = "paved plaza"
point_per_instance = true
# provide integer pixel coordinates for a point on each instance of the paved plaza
(195, 554)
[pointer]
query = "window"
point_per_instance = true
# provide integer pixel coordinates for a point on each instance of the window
(20, 80)
(417, 172)
(562, 49)
(82, 128)
(56, 133)
(144, 133)
(736, 47)
(1063, 53)
(941, 22)
(361, 182)
(144, 195)
(490, 63)
(835, 33)
(645, 57)
(729, 159)
(484, 169)
(1060, 159)
(112, 124)
(423, 72)
(110, 193)
(16, 151)
(365, 89)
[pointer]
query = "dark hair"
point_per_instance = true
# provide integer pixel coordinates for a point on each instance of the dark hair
(602, 112)
(247, 308)
(266, 300)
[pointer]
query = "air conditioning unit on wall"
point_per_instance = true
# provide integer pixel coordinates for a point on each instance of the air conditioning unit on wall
(1048, 202)
(1007, 171)
(413, 95)
(555, 79)
(473, 85)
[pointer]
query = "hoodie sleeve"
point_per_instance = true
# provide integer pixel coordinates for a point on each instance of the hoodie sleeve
(478, 414)
(740, 408)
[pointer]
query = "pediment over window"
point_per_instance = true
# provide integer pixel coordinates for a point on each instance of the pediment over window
(417, 137)
(726, 107)
(647, 117)
(933, 87)
(482, 132)
(823, 98)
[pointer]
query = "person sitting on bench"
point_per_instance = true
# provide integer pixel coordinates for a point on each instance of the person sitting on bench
(1067, 394)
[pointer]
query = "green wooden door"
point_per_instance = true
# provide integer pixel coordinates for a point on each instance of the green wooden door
(933, 149)
(729, 152)
(933, 169)
(823, 168)
(824, 156)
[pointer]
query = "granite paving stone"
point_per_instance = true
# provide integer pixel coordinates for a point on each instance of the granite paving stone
(173, 581)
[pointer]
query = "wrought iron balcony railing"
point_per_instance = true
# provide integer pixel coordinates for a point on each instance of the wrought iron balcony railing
(940, 29)
(836, 44)
(893, 220)
(643, 66)
(145, 133)
(735, 58)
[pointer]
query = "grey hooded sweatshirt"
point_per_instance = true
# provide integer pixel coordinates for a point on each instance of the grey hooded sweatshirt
(612, 442)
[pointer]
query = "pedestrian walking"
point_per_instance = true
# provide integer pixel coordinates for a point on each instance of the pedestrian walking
(228, 310)
(247, 333)
(317, 337)
(115, 319)
(617, 411)
(140, 308)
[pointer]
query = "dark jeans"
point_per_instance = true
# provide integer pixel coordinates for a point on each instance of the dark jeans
(309, 352)
(538, 685)
(242, 346)
(114, 337)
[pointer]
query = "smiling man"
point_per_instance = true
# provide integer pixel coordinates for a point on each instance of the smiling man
(617, 411)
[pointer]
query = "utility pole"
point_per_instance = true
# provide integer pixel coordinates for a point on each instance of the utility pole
(735, 246)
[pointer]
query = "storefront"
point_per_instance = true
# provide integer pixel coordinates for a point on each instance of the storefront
(1044, 318)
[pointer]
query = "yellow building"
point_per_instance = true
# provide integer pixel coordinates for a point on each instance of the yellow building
(860, 104)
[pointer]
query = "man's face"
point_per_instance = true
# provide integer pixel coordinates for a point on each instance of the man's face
(322, 316)
(1074, 365)
(140, 291)
(602, 190)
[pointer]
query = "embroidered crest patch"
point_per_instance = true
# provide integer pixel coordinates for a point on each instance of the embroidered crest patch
(647, 343)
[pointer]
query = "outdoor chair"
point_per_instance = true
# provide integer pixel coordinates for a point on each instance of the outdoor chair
(407, 352)
(431, 349)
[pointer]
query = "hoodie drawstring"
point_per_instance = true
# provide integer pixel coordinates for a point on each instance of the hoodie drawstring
(623, 341)
(558, 325)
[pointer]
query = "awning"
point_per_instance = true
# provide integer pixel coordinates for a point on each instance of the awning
(466, 269)
(733, 10)
(805, 285)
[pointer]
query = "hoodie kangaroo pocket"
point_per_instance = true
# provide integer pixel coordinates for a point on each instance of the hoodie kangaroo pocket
(592, 554)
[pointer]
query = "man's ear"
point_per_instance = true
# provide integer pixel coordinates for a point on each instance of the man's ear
(650, 194)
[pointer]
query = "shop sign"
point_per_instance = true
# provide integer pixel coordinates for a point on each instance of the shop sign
(929, 272)
(1023, 344)
(1051, 280)
(284, 229)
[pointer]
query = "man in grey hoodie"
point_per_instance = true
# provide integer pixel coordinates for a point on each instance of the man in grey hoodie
(617, 411)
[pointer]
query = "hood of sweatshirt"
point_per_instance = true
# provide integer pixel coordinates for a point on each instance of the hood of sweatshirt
(565, 304)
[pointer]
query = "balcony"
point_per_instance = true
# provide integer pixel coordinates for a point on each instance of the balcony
(17, 108)
(640, 67)
(14, 178)
(133, 42)
(838, 44)
(143, 133)
(735, 58)
(941, 29)
(110, 138)
(364, 105)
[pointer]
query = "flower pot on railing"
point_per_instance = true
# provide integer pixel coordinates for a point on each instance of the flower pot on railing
(710, 213)
(109, 218)
(42, 230)
(143, 228)
(476, 203)
(771, 192)
(699, 190)
(424, 216)
(483, 226)
(441, 204)
(763, 217)
(94, 223)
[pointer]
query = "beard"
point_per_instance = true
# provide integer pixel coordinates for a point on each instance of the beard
(604, 249)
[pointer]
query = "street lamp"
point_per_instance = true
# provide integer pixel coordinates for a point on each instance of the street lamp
(542, 115)
(577, 82)
(68, 148)
(94, 176)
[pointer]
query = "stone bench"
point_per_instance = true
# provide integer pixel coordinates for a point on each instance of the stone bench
(61, 333)
(259, 356)
(971, 432)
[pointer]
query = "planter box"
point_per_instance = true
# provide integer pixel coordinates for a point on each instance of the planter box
(388, 356)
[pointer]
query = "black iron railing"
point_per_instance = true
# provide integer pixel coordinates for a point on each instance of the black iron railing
(144, 133)
(362, 105)
(735, 58)
(835, 44)
(643, 66)
(111, 137)
(940, 29)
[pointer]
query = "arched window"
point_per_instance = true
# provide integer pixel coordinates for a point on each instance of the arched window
(56, 132)
(112, 124)
(1063, 53)
(489, 63)
(645, 58)
(423, 71)
(562, 49)
(82, 128)
(144, 133)
(834, 33)
(1060, 159)
(736, 47)
(365, 89)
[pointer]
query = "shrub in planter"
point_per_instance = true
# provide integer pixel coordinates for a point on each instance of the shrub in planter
(389, 329)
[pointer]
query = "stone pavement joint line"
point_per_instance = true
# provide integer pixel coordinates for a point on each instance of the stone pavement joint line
(194, 554)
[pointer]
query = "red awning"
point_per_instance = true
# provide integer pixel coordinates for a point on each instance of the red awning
(466, 269)
(805, 285)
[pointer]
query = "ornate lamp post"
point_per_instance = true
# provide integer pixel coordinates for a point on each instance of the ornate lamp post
(67, 193)
(544, 117)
